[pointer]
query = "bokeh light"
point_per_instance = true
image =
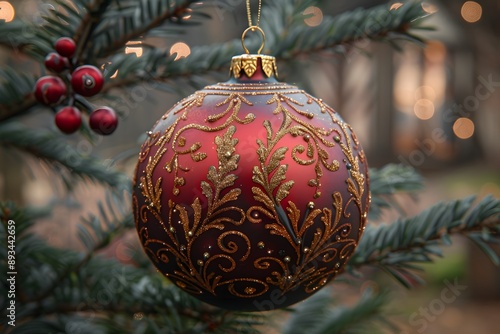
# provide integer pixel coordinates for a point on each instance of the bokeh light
(471, 11)
(429, 8)
(134, 49)
(396, 5)
(424, 109)
(315, 18)
(187, 14)
(463, 128)
(435, 51)
(122, 252)
(425, 92)
(181, 49)
(7, 12)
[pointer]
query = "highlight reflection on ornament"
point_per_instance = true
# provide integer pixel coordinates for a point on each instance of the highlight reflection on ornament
(251, 194)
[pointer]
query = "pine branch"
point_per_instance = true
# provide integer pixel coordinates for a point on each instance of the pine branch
(24, 218)
(377, 23)
(389, 181)
(75, 286)
(287, 40)
(88, 24)
(26, 246)
(28, 39)
(398, 247)
(37, 41)
(134, 19)
(289, 37)
(15, 87)
(91, 25)
(12, 33)
(316, 316)
(51, 147)
(113, 229)
(114, 218)
(309, 314)
(130, 291)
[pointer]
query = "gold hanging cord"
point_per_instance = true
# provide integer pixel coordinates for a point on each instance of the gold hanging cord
(249, 63)
(252, 27)
(249, 13)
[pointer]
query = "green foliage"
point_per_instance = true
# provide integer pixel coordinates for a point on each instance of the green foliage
(389, 181)
(62, 290)
(316, 316)
(377, 23)
(115, 217)
(13, 88)
(287, 37)
(51, 147)
(68, 291)
(399, 247)
(101, 29)
(13, 83)
(128, 20)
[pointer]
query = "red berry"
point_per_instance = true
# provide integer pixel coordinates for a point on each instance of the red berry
(56, 63)
(66, 47)
(103, 121)
(87, 80)
(68, 119)
(50, 90)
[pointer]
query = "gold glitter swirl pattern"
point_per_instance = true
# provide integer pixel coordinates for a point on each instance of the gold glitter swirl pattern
(249, 292)
(321, 244)
(323, 248)
(232, 247)
(179, 145)
(195, 276)
(315, 137)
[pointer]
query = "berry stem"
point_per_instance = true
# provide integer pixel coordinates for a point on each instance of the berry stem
(83, 102)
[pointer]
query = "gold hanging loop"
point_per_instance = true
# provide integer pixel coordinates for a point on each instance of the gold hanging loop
(253, 28)
(249, 64)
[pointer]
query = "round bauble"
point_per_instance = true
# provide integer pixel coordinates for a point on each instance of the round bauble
(56, 63)
(251, 194)
(65, 46)
(68, 119)
(103, 121)
(50, 90)
(87, 80)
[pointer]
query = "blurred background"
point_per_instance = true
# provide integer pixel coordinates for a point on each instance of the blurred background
(436, 108)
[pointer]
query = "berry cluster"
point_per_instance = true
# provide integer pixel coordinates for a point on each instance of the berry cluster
(85, 81)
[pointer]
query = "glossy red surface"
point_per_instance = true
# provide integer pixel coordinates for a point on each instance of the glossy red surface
(87, 80)
(68, 119)
(103, 121)
(50, 90)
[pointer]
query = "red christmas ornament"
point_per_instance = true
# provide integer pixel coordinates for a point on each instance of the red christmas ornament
(65, 46)
(103, 121)
(87, 80)
(50, 90)
(68, 119)
(251, 194)
(56, 63)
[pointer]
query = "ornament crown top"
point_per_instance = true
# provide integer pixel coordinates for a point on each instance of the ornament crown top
(254, 66)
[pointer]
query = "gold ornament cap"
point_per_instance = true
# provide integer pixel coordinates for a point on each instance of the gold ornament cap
(253, 64)
(249, 64)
